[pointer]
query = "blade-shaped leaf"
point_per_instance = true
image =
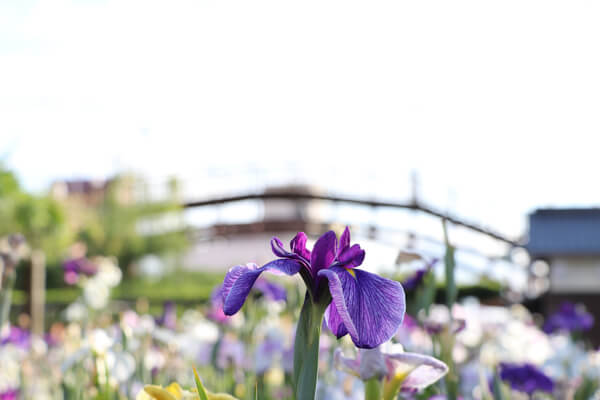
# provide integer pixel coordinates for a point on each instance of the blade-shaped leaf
(201, 391)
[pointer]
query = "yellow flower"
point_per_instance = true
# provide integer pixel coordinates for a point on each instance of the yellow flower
(175, 392)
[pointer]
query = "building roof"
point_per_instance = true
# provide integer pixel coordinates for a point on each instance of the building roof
(566, 231)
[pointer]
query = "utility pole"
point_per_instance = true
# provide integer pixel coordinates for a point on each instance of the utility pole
(414, 187)
(38, 291)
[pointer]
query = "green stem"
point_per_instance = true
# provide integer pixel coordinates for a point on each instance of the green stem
(306, 348)
(373, 389)
(6, 296)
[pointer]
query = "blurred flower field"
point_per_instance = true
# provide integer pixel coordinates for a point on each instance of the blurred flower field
(98, 348)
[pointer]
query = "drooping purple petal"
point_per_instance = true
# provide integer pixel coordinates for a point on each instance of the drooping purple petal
(298, 246)
(370, 307)
(352, 257)
(324, 252)
(240, 279)
(422, 370)
(334, 321)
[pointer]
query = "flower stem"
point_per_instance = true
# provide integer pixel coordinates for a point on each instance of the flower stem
(6, 296)
(306, 348)
(373, 389)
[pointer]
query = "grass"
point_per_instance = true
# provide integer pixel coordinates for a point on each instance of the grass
(181, 287)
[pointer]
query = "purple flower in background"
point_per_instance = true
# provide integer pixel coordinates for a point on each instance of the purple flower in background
(569, 318)
(11, 394)
(17, 337)
(266, 352)
(525, 378)
(268, 289)
(366, 306)
(415, 281)
(231, 353)
(168, 318)
(215, 313)
(75, 267)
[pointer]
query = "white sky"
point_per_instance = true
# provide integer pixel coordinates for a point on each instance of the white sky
(495, 103)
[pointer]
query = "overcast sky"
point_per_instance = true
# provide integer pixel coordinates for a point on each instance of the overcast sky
(496, 104)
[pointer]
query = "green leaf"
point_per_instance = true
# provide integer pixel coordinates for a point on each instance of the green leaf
(586, 389)
(306, 349)
(497, 386)
(201, 391)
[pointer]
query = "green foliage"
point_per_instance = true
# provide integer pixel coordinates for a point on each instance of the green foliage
(181, 287)
(108, 225)
(586, 389)
(40, 219)
(114, 226)
(424, 296)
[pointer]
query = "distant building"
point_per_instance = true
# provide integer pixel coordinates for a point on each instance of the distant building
(568, 240)
(81, 196)
(84, 191)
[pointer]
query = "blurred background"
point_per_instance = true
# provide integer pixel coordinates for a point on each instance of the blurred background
(178, 138)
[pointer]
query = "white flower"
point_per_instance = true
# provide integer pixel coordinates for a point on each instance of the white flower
(96, 293)
(121, 365)
(76, 312)
(99, 341)
(108, 272)
(154, 359)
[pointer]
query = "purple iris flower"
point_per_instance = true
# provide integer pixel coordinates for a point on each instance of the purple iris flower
(75, 267)
(525, 378)
(11, 394)
(366, 306)
(569, 318)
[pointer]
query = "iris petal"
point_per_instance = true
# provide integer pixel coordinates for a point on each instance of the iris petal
(240, 279)
(352, 256)
(298, 246)
(334, 321)
(278, 250)
(344, 241)
(370, 307)
(419, 370)
(324, 252)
